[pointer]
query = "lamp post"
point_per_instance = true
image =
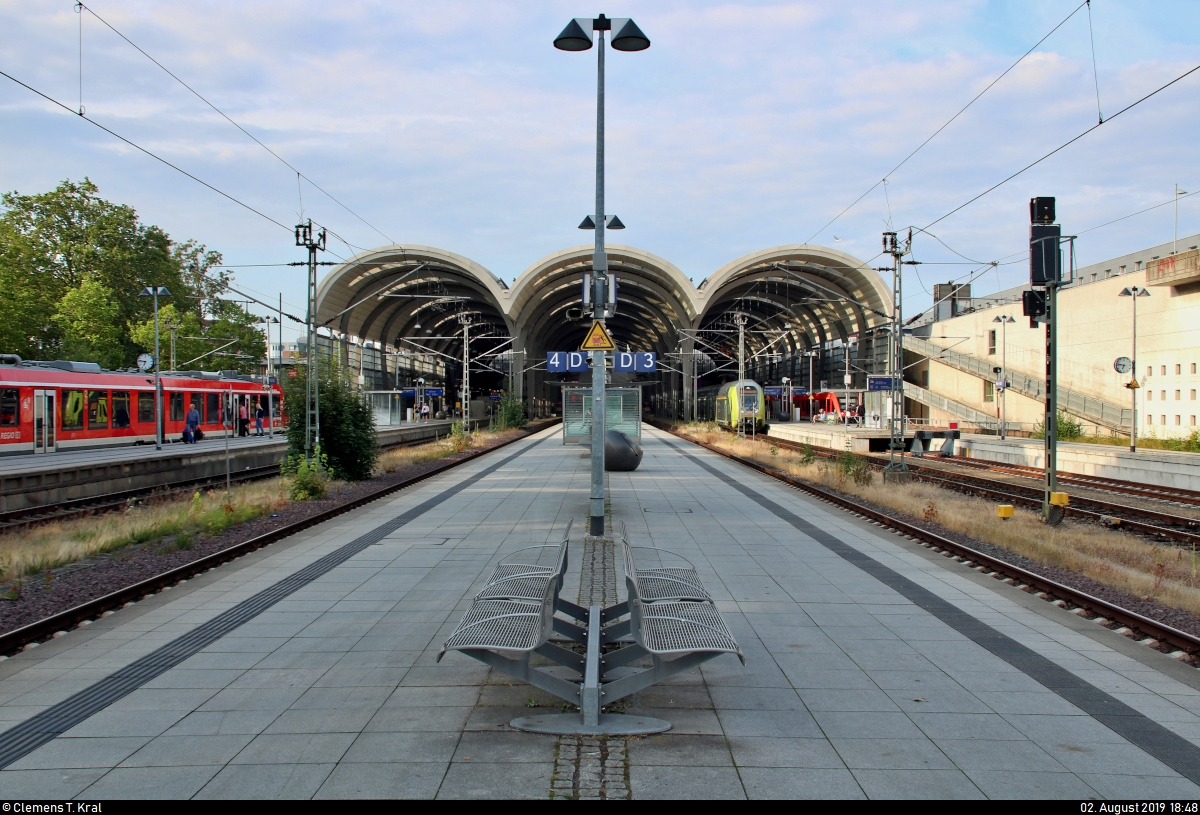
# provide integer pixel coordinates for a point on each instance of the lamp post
(1133, 293)
(156, 292)
(602, 296)
(1175, 234)
(266, 323)
(811, 354)
(1004, 320)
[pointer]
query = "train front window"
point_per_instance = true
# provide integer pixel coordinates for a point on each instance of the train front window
(120, 406)
(146, 408)
(10, 407)
(177, 407)
(72, 410)
(97, 410)
(212, 408)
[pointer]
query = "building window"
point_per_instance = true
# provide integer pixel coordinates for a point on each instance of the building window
(1178, 369)
(1193, 418)
(1176, 420)
(1122, 270)
(992, 342)
(1149, 370)
(10, 407)
(1164, 420)
(1193, 367)
(120, 409)
(1164, 370)
(97, 410)
(1162, 396)
(1193, 394)
(1149, 418)
(72, 410)
(145, 407)
(1149, 396)
(989, 391)
(1176, 396)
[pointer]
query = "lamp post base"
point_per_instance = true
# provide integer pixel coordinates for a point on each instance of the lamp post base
(596, 526)
(611, 724)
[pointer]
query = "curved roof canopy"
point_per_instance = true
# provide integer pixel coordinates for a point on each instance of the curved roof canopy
(812, 294)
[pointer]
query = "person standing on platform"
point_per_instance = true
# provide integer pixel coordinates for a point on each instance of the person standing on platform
(193, 422)
(425, 411)
(243, 420)
(259, 415)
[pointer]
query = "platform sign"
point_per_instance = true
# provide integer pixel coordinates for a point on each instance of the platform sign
(879, 383)
(408, 392)
(558, 362)
(771, 391)
(639, 361)
(435, 392)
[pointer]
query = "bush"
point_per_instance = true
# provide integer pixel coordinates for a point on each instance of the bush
(307, 480)
(1068, 428)
(347, 422)
(510, 413)
(460, 437)
(855, 468)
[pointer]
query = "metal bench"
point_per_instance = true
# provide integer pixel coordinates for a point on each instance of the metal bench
(515, 616)
(676, 582)
(526, 581)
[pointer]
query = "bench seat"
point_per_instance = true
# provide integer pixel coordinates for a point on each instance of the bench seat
(674, 629)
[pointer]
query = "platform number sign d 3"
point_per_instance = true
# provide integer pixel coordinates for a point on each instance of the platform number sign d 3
(558, 362)
(638, 361)
(879, 383)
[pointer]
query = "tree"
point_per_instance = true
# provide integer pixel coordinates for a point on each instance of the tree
(87, 320)
(51, 243)
(347, 421)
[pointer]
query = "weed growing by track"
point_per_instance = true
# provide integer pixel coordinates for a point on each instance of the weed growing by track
(1167, 574)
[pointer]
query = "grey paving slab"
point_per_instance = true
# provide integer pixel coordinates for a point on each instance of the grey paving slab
(850, 688)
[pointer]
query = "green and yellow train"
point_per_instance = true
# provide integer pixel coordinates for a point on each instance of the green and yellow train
(733, 403)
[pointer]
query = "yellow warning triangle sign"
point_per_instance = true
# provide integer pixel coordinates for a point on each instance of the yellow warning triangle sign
(598, 339)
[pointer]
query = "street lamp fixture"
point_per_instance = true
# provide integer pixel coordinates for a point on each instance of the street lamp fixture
(156, 292)
(598, 291)
(1004, 320)
(1133, 293)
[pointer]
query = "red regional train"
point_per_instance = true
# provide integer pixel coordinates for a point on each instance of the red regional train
(50, 406)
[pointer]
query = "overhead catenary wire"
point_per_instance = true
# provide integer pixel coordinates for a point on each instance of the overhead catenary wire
(948, 122)
(141, 149)
(1063, 146)
(223, 115)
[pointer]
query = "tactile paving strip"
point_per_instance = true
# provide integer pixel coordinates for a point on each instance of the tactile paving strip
(27, 736)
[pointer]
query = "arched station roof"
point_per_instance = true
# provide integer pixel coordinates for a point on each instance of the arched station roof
(812, 293)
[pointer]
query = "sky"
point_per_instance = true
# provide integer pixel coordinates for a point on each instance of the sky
(743, 126)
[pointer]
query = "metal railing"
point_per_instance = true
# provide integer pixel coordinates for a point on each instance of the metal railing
(1077, 404)
(956, 409)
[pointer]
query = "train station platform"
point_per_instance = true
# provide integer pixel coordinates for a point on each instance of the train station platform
(835, 436)
(874, 668)
(1153, 468)
(37, 480)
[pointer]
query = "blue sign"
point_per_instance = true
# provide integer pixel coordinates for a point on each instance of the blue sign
(408, 391)
(773, 391)
(434, 392)
(879, 383)
(558, 362)
(637, 361)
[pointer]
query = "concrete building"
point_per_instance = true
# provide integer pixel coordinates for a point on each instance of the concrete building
(1095, 328)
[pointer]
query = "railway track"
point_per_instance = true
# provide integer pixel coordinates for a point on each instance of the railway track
(1149, 631)
(1160, 526)
(1166, 494)
(48, 627)
(27, 517)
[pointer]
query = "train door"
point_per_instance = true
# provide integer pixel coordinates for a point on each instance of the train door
(43, 422)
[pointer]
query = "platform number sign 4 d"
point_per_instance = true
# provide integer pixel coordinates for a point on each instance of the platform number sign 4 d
(558, 362)
(638, 361)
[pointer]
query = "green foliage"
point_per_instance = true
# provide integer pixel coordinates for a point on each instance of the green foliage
(72, 240)
(184, 541)
(510, 413)
(460, 437)
(1068, 428)
(855, 467)
(808, 456)
(347, 422)
(307, 479)
(87, 321)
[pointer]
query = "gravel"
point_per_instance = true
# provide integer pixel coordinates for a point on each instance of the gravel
(69, 586)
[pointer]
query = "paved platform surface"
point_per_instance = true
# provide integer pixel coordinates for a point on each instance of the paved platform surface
(308, 667)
